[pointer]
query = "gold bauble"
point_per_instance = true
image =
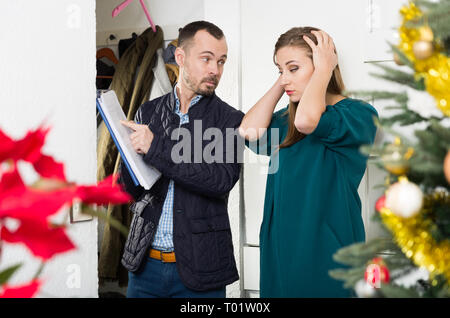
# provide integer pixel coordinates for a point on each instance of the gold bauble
(447, 166)
(426, 34)
(396, 157)
(427, 56)
(397, 169)
(423, 49)
(397, 60)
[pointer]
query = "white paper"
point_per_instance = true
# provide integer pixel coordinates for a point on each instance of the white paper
(145, 174)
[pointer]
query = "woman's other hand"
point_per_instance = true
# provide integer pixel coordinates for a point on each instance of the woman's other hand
(324, 53)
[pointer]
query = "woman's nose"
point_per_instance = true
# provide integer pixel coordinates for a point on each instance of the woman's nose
(284, 79)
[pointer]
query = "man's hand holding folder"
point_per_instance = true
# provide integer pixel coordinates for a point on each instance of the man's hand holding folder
(141, 138)
(132, 140)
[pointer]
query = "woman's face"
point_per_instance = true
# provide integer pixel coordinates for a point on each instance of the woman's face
(296, 69)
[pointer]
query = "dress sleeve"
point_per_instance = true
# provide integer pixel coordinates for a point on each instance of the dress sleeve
(347, 124)
(271, 138)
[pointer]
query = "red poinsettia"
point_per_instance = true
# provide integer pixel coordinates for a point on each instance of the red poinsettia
(6, 146)
(32, 206)
(106, 191)
(43, 240)
(24, 291)
(21, 202)
(29, 149)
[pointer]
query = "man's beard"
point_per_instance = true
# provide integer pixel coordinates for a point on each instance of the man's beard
(195, 86)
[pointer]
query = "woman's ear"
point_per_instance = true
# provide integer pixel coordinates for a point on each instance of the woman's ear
(180, 56)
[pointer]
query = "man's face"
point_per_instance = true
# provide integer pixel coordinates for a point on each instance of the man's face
(201, 63)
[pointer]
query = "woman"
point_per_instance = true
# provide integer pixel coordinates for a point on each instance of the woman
(312, 207)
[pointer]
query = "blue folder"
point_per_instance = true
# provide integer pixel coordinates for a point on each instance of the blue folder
(133, 176)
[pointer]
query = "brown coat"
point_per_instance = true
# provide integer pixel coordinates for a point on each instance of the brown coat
(136, 63)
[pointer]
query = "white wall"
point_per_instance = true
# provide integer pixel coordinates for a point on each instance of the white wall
(47, 71)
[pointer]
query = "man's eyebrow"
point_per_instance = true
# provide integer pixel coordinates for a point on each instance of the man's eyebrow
(211, 53)
(207, 52)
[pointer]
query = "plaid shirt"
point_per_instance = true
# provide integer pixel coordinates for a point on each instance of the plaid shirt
(164, 234)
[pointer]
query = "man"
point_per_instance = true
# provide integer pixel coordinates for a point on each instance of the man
(180, 242)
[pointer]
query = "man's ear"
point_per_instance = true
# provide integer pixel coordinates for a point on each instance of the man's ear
(180, 55)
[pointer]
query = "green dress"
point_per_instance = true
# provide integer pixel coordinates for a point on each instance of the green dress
(312, 207)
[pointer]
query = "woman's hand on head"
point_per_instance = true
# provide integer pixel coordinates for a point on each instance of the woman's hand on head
(324, 53)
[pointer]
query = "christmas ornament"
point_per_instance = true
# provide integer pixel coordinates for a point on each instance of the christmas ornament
(447, 166)
(395, 157)
(381, 203)
(397, 60)
(413, 237)
(365, 290)
(423, 49)
(376, 272)
(430, 63)
(426, 34)
(404, 198)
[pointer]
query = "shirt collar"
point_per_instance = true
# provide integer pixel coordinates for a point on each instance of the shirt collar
(194, 100)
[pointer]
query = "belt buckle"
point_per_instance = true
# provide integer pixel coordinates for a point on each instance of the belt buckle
(161, 256)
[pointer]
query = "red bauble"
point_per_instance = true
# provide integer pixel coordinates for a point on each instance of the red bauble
(381, 203)
(376, 273)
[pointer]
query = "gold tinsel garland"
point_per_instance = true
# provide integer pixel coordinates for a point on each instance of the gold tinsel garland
(413, 236)
(435, 70)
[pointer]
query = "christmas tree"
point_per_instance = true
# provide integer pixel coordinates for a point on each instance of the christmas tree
(414, 211)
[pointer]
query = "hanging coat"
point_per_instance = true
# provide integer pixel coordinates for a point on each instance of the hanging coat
(131, 82)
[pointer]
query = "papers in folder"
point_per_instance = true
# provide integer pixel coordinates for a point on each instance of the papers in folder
(112, 113)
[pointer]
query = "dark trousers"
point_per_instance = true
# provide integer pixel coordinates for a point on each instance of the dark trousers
(161, 280)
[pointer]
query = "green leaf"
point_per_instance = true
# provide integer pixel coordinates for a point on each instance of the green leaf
(395, 291)
(443, 133)
(398, 76)
(358, 254)
(349, 276)
(7, 273)
(401, 98)
(421, 84)
(440, 289)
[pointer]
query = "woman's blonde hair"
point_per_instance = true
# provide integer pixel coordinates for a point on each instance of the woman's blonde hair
(294, 37)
